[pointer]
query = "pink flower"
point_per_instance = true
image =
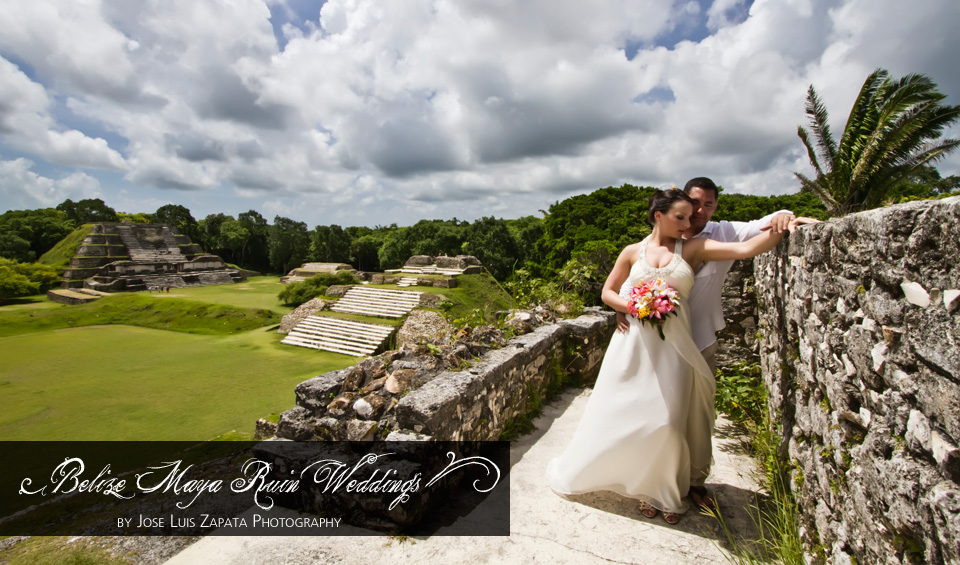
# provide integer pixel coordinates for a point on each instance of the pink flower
(653, 301)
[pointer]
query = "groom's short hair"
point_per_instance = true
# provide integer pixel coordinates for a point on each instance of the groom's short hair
(704, 183)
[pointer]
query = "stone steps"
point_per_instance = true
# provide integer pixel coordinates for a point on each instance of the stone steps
(91, 292)
(430, 271)
(407, 281)
(338, 335)
(378, 302)
(140, 252)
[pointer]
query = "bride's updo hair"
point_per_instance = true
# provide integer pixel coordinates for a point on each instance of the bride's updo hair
(662, 200)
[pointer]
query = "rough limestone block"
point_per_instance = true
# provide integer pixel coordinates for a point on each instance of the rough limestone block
(361, 430)
(264, 429)
(878, 354)
(918, 431)
(951, 300)
(295, 424)
(434, 409)
(316, 393)
(915, 294)
(945, 454)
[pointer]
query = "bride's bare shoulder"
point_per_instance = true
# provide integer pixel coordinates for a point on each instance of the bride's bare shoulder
(630, 252)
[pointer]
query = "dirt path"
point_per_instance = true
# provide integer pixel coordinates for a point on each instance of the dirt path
(545, 528)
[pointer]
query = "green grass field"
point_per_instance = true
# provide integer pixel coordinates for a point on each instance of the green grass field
(192, 364)
(131, 383)
(255, 292)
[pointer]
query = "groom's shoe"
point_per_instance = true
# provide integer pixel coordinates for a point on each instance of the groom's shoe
(701, 496)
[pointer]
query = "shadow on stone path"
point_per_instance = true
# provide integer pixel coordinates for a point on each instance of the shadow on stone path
(544, 528)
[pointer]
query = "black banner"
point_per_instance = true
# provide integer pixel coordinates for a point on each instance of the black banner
(255, 488)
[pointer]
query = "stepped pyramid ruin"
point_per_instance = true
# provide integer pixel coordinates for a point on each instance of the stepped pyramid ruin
(117, 257)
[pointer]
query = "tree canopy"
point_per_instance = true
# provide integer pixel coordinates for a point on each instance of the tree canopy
(25, 235)
(88, 211)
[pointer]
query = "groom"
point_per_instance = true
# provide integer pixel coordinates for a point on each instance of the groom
(706, 309)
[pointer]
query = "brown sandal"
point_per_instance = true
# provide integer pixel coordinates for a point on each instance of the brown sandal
(701, 496)
(647, 510)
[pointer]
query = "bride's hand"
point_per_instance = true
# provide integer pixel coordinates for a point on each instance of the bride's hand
(623, 326)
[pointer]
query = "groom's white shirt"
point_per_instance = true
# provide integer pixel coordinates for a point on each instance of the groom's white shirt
(706, 310)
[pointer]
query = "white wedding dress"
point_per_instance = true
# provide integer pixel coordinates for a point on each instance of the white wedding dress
(646, 429)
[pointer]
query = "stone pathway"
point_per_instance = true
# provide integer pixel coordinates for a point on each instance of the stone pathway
(544, 528)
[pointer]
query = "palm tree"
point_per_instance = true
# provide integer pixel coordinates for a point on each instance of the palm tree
(892, 131)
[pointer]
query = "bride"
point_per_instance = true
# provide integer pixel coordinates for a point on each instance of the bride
(633, 438)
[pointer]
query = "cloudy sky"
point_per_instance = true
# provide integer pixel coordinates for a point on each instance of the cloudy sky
(370, 112)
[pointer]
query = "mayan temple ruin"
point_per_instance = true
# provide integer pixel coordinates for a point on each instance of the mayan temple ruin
(118, 257)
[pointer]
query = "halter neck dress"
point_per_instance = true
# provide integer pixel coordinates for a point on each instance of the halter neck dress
(633, 437)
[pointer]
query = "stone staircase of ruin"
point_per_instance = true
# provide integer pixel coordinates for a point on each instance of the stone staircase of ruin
(142, 252)
(407, 281)
(427, 270)
(380, 302)
(176, 280)
(339, 335)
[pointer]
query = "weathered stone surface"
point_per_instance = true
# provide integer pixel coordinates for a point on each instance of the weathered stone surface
(373, 368)
(738, 341)
(308, 308)
(419, 261)
(375, 384)
(418, 397)
(264, 429)
(370, 406)
(478, 403)
(329, 429)
(458, 262)
(295, 424)
(338, 290)
(861, 366)
(342, 405)
(398, 381)
(315, 394)
(361, 430)
(424, 326)
(354, 379)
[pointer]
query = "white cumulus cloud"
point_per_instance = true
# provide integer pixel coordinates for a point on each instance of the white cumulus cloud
(367, 112)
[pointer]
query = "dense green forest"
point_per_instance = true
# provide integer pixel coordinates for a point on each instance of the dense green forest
(570, 249)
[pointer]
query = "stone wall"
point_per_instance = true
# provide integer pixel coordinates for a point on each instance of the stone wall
(470, 391)
(861, 355)
(738, 341)
(480, 402)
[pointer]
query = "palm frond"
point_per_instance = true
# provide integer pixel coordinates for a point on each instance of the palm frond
(820, 125)
(863, 116)
(819, 189)
(893, 129)
(811, 152)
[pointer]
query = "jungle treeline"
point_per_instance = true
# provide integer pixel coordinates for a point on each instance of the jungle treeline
(573, 243)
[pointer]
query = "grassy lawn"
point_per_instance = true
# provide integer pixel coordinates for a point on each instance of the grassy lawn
(38, 302)
(132, 383)
(110, 370)
(473, 292)
(139, 309)
(255, 292)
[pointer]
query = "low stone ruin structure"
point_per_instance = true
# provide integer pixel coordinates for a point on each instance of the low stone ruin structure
(471, 389)
(118, 257)
(422, 270)
(307, 270)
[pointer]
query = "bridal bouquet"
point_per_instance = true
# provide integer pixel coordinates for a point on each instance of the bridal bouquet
(652, 302)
